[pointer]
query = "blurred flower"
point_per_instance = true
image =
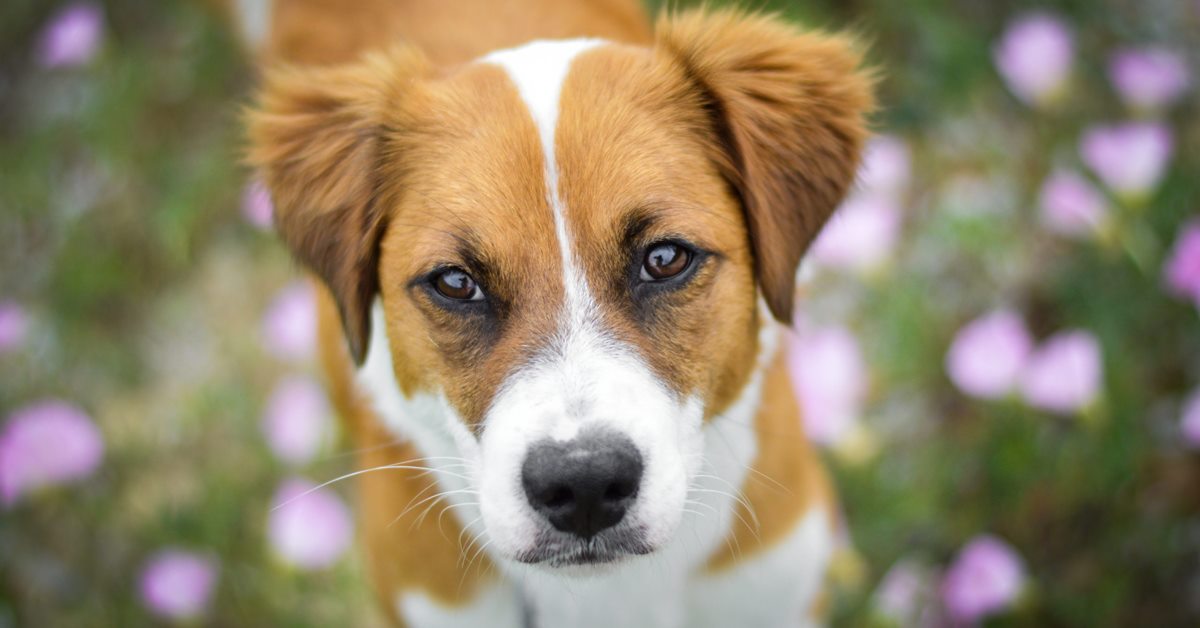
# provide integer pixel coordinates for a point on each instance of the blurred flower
(847, 569)
(902, 592)
(1148, 78)
(1064, 374)
(860, 236)
(296, 422)
(985, 578)
(14, 324)
(1130, 158)
(1182, 269)
(987, 355)
(46, 443)
(1189, 426)
(886, 167)
(177, 585)
(72, 35)
(1072, 206)
(309, 527)
(829, 378)
(973, 196)
(256, 204)
(857, 445)
(1034, 56)
(290, 324)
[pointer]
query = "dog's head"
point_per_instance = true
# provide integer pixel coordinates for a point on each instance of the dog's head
(568, 241)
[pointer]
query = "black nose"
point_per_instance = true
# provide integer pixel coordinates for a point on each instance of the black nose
(584, 485)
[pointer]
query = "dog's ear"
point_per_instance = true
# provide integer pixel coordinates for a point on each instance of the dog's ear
(788, 112)
(315, 136)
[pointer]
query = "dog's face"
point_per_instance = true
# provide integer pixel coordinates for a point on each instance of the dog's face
(569, 241)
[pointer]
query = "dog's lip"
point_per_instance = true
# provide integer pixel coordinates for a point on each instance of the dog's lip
(578, 552)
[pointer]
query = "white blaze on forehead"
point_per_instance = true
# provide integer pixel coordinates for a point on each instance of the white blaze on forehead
(588, 378)
(539, 70)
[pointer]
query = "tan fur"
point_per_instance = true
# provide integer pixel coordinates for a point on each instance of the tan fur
(734, 132)
(449, 32)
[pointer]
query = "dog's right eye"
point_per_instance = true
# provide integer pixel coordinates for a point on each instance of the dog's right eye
(457, 285)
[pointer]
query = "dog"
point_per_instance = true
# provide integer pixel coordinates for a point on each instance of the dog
(555, 250)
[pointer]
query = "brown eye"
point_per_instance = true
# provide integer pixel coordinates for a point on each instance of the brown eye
(457, 285)
(665, 260)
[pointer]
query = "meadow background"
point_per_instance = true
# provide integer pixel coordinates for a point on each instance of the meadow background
(998, 353)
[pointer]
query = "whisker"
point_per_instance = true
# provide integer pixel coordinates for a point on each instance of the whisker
(430, 507)
(361, 472)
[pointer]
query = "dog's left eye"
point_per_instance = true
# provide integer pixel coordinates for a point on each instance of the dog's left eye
(664, 261)
(457, 285)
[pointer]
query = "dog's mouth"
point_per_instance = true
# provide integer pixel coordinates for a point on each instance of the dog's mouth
(562, 551)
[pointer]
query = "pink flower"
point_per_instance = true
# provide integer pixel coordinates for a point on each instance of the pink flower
(309, 527)
(1148, 78)
(256, 205)
(1034, 56)
(296, 422)
(1182, 269)
(1064, 374)
(987, 355)
(886, 167)
(860, 236)
(14, 324)
(829, 380)
(72, 35)
(986, 577)
(290, 324)
(178, 585)
(903, 592)
(1189, 426)
(1072, 206)
(1130, 158)
(44, 444)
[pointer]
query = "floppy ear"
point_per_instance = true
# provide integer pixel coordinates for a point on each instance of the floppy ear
(315, 137)
(788, 110)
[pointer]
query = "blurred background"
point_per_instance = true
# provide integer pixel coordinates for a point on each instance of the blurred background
(998, 353)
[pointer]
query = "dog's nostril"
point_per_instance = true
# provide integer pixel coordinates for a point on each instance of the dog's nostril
(558, 497)
(585, 485)
(620, 490)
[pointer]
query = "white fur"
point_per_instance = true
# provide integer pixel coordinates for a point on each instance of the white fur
(496, 606)
(773, 590)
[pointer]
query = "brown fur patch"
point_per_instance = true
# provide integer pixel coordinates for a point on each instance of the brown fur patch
(316, 139)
